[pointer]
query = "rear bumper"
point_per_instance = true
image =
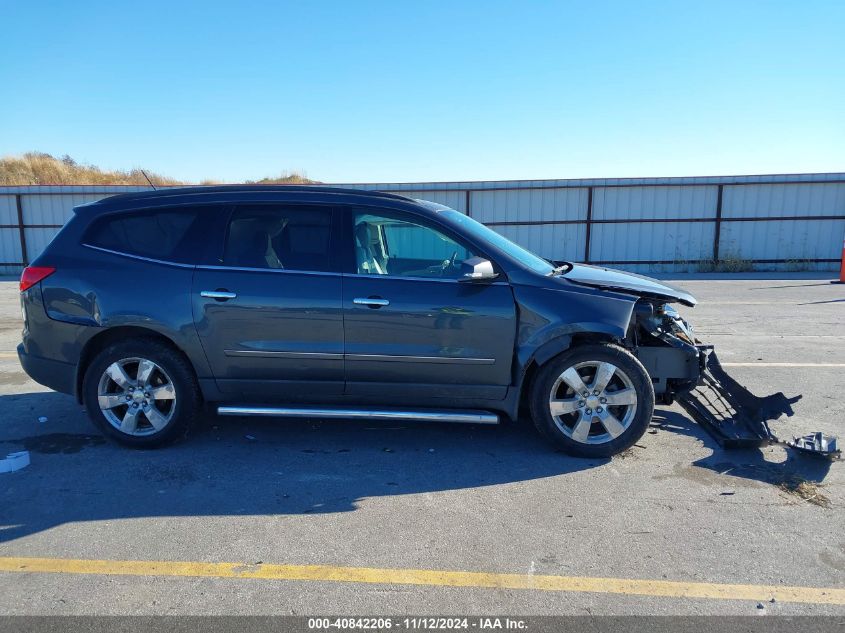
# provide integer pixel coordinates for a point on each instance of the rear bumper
(54, 374)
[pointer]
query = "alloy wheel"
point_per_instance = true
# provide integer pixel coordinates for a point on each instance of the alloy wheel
(136, 396)
(593, 402)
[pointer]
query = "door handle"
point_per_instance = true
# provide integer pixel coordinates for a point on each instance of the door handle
(372, 302)
(219, 295)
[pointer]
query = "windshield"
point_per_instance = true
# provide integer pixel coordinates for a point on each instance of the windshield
(485, 234)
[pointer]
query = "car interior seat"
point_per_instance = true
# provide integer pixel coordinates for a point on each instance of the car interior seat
(250, 243)
(366, 243)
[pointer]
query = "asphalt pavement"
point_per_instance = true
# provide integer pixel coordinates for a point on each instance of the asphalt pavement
(317, 517)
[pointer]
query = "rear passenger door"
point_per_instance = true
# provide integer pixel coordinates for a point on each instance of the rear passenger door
(268, 308)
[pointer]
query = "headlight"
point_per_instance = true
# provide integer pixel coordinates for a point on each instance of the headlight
(676, 325)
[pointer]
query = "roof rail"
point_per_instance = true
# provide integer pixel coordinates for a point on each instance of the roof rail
(212, 189)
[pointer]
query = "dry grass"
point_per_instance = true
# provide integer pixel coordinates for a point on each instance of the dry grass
(809, 491)
(285, 178)
(727, 264)
(38, 168)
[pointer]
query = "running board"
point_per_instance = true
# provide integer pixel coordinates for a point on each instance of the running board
(330, 413)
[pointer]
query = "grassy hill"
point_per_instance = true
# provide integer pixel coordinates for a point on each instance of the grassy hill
(38, 168)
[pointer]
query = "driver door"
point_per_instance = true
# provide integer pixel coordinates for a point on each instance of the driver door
(412, 330)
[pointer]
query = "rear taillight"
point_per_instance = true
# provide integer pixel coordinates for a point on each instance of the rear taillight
(33, 274)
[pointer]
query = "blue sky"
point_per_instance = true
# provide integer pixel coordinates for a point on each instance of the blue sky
(404, 91)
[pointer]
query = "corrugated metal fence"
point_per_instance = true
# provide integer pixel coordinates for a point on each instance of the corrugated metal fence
(783, 222)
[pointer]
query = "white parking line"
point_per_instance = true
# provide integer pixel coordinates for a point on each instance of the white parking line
(783, 364)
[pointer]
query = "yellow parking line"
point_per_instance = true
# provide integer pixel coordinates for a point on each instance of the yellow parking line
(426, 577)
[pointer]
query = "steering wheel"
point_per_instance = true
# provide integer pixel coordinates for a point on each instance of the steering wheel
(448, 264)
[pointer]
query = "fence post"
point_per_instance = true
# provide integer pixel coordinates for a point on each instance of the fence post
(717, 233)
(589, 225)
(21, 232)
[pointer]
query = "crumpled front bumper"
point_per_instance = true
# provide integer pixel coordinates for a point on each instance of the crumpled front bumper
(736, 418)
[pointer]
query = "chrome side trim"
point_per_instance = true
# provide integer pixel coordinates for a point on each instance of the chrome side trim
(464, 417)
(140, 257)
(445, 360)
(258, 353)
(278, 271)
(320, 273)
(409, 278)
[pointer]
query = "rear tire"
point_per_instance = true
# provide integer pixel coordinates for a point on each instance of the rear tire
(593, 400)
(141, 393)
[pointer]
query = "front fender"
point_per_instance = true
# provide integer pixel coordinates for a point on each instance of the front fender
(549, 318)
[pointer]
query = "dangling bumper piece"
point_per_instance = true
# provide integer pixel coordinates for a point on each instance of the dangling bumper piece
(736, 418)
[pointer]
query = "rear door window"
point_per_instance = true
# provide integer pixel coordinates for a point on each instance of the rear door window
(280, 237)
(171, 235)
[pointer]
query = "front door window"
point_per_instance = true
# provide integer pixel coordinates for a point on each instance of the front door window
(400, 248)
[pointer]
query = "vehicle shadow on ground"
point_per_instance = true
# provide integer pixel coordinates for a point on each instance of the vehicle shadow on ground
(745, 463)
(248, 466)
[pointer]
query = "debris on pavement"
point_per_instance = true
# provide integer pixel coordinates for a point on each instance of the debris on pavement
(736, 418)
(14, 461)
(816, 443)
(809, 491)
(628, 452)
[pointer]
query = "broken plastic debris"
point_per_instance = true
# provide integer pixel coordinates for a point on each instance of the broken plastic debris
(816, 443)
(14, 461)
(42, 419)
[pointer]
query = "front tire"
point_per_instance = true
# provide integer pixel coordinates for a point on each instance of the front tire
(141, 393)
(593, 400)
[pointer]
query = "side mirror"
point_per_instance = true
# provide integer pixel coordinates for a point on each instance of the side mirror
(477, 269)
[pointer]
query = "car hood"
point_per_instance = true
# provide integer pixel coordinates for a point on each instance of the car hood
(610, 279)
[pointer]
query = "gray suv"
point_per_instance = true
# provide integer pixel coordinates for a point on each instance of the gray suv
(321, 302)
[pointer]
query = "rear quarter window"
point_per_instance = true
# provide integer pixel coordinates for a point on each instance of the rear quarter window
(170, 235)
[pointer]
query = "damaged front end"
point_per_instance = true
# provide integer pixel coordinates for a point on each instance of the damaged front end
(683, 369)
